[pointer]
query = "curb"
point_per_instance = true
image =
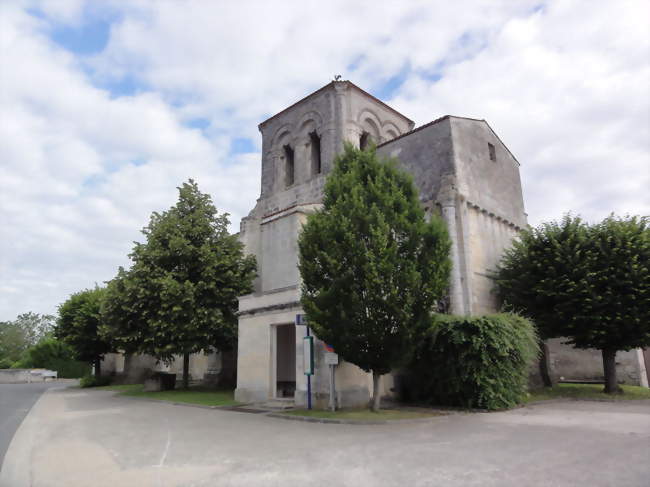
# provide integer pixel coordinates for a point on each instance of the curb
(173, 403)
(308, 419)
(241, 408)
(586, 399)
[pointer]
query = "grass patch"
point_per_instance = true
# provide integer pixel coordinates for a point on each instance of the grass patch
(587, 391)
(363, 414)
(193, 395)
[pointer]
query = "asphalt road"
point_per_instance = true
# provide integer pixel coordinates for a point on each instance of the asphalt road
(15, 402)
(78, 437)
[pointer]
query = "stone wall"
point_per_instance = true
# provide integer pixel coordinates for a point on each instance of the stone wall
(493, 185)
(479, 198)
(568, 363)
(15, 376)
(485, 238)
(427, 154)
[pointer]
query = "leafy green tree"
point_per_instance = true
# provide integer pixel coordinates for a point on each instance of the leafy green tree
(18, 335)
(184, 283)
(590, 283)
(78, 326)
(529, 277)
(372, 267)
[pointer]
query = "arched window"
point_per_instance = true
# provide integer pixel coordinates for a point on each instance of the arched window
(289, 167)
(315, 153)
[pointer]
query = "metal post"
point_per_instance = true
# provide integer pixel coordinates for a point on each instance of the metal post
(332, 389)
(308, 383)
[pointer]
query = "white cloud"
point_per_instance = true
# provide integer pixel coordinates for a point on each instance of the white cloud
(72, 197)
(567, 90)
(81, 169)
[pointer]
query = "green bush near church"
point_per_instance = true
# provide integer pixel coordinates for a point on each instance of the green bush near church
(473, 361)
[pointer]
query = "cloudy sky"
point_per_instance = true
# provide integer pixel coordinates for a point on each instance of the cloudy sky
(106, 107)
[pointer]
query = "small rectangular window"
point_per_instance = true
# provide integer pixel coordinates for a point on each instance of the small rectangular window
(288, 165)
(493, 152)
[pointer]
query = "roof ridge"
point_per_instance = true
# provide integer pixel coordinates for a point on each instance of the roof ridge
(322, 88)
(416, 129)
(444, 117)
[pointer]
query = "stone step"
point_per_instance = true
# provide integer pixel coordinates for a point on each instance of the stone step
(275, 404)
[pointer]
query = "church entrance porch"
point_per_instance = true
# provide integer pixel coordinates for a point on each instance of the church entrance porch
(284, 380)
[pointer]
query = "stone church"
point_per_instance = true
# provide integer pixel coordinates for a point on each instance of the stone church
(464, 173)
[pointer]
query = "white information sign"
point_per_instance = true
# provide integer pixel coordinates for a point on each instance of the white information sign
(308, 355)
(331, 358)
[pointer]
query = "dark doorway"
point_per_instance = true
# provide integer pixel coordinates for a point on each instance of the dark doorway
(285, 371)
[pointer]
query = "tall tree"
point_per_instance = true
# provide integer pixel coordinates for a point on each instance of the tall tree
(78, 326)
(372, 267)
(184, 282)
(590, 283)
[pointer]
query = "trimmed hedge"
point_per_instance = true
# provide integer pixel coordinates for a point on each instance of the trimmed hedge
(53, 354)
(94, 381)
(473, 362)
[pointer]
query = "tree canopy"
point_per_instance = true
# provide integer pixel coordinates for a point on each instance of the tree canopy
(589, 283)
(78, 326)
(180, 295)
(372, 267)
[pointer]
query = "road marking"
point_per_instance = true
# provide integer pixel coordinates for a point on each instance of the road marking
(164, 454)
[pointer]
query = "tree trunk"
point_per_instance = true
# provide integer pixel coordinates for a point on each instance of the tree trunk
(545, 364)
(186, 370)
(376, 394)
(98, 367)
(609, 364)
(127, 366)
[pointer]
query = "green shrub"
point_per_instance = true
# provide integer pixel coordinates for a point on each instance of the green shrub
(53, 354)
(5, 363)
(94, 381)
(473, 362)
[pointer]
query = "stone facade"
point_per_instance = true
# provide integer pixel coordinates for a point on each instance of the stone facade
(464, 173)
(298, 149)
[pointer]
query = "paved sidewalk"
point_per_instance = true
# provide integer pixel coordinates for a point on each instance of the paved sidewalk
(79, 438)
(15, 402)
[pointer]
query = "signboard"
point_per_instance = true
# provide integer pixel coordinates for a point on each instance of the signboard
(331, 358)
(301, 320)
(328, 348)
(308, 355)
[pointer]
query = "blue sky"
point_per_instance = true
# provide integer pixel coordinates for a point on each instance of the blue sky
(109, 106)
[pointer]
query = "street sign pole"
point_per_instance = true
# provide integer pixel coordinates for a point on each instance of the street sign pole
(332, 359)
(307, 354)
(332, 388)
(308, 382)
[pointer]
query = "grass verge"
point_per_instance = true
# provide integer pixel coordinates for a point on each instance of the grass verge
(193, 395)
(587, 391)
(363, 414)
